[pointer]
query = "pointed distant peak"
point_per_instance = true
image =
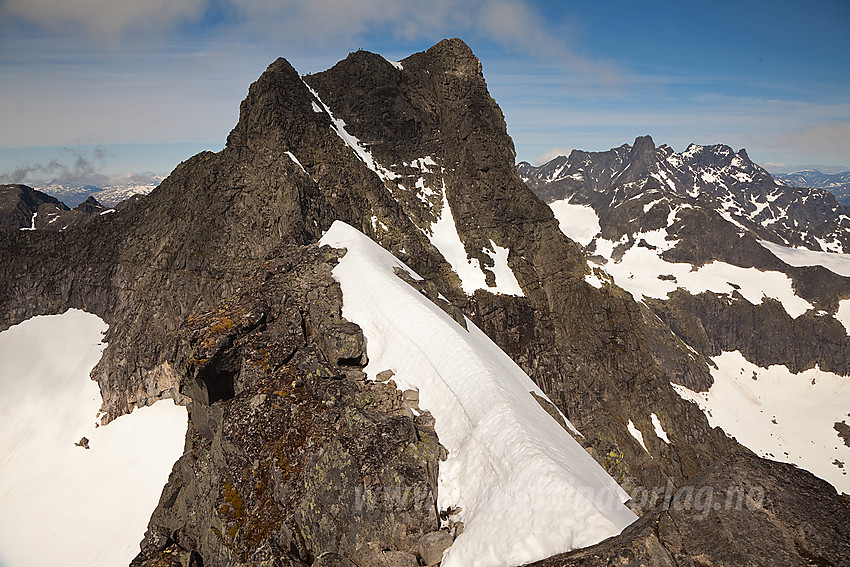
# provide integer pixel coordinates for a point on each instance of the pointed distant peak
(279, 66)
(644, 142)
(280, 74)
(644, 146)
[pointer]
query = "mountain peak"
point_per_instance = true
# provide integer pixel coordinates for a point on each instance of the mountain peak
(454, 56)
(644, 143)
(272, 101)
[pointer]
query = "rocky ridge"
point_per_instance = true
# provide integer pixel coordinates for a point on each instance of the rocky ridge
(216, 298)
(24, 208)
(292, 457)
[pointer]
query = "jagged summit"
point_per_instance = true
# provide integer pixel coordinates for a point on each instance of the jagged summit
(738, 188)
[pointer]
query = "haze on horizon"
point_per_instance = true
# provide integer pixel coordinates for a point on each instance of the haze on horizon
(93, 89)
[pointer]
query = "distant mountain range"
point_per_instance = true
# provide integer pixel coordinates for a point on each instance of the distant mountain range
(836, 183)
(708, 236)
(109, 195)
(716, 177)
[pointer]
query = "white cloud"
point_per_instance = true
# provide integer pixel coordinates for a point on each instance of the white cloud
(516, 25)
(550, 155)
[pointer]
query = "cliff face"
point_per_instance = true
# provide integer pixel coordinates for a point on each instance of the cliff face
(217, 296)
(292, 457)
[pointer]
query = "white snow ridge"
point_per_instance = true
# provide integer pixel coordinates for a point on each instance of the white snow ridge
(527, 490)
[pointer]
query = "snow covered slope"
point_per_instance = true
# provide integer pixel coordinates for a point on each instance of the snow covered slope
(60, 503)
(832, 261)
(525, 488)
(780, 415)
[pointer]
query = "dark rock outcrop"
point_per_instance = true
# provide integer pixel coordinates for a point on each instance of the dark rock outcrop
(18, 204)
(24, 208)
(742, 511)
(292, 457)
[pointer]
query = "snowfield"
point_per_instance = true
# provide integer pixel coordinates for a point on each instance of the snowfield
(833, 261)
(526, 488)
(62, 504)
(445, 238)
(644, 273)
(779, 415)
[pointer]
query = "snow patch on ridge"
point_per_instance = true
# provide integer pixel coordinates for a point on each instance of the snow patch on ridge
(445, 238)
(527, 489)
(779, 415)
(637, 435)
(578, 222)
(642, 272)
(843, 314)
(659, 431)
(63, 504)
(506, 282)
(338, 126)
(295, 160)
(32, 222)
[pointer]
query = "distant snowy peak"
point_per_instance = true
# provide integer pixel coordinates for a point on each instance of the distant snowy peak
(119, 189)
(710, 177)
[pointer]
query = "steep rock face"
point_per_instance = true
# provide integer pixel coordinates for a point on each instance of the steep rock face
(291, 455)
(587, 348)
(711, 325)
(182, 247)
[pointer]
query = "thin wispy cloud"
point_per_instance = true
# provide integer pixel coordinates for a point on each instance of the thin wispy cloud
(517, 25)
(551, 154)
(107, 18)
(568, 74)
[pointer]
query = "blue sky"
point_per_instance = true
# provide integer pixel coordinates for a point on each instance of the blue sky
(112, 86)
